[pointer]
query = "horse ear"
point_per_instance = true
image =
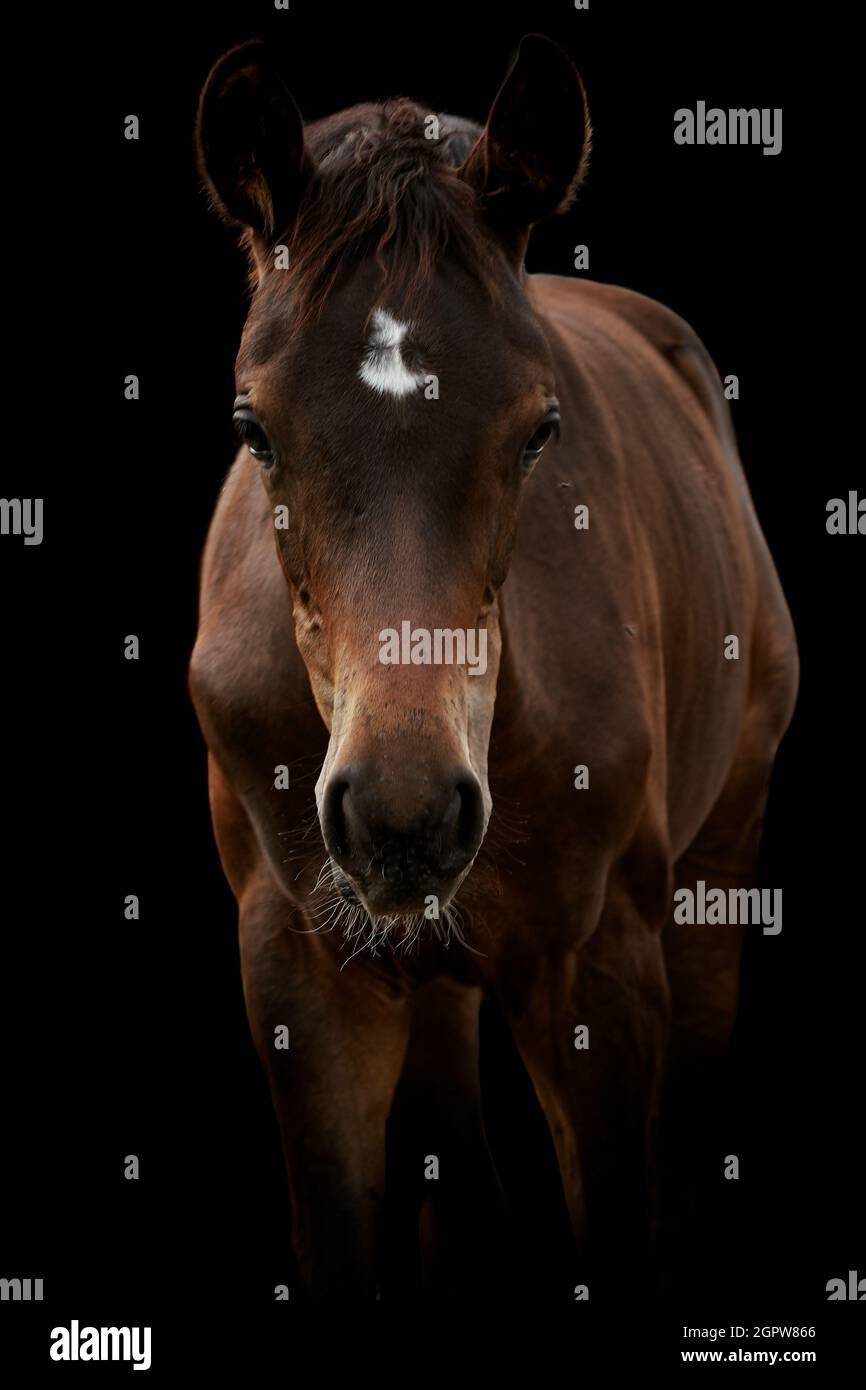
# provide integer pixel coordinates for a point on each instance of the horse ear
(534, 150)
(250, 141)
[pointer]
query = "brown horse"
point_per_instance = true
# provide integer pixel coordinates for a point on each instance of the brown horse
(398, 592)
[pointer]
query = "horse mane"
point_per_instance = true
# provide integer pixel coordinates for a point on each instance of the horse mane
(382, 189)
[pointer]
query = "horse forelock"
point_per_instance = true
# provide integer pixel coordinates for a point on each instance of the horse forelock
(385, 187)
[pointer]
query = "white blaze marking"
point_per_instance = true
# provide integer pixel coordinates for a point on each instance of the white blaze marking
(383, 367)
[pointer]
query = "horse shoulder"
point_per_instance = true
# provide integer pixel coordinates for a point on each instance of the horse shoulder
(245, 648)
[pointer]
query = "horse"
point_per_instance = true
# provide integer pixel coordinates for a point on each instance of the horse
(433, 441)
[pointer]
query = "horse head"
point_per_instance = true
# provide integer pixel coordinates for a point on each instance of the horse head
(396, 391)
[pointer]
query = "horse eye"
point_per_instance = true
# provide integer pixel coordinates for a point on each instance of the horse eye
(250, 432)
(535, 446)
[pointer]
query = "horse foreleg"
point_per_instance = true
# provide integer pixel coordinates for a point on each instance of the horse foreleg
(703, 966)
(592, 1037)
(439, 1159)
(332, 1076)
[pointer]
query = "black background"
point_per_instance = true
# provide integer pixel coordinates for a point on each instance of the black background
(124, 1037)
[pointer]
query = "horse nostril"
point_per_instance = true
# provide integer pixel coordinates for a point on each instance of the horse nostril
(464, 823)
(334, 819)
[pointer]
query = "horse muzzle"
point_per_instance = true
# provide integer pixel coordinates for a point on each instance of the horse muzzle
(401, 839)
